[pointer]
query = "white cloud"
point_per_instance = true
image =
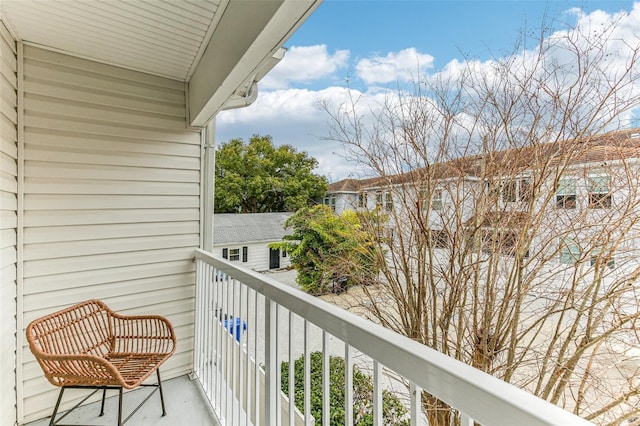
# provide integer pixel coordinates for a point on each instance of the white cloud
(577, 68)
(293, 116)
(304, 64)
(405, 65)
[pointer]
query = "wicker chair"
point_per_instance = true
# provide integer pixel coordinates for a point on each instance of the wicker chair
(90, 346)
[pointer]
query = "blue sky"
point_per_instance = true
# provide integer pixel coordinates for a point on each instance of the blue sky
(375, 44)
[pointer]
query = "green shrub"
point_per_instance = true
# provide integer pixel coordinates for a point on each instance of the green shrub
(394, 413)
(330, 252)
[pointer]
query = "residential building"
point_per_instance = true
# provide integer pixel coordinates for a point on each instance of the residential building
(579, 189)
(245, 238)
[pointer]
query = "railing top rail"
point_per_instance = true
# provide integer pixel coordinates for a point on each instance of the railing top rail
(483, 397)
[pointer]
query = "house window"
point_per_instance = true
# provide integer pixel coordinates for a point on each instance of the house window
(245, 253)
(509, 192)
(566, 194)
(598, 255)
(436, 200)
(503, 242)
(225, 253)
(421, 203)
(599, 192)
(388, 201)
(234, 254)
(569, 251)
(516, 190)
(362, 199)
(524, 191)
(378, 200)
(330, 201)
(439, 238)
(493, 189)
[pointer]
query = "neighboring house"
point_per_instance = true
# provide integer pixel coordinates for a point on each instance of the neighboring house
(342, 195)
(245, 238)
(107, 115)
(596, 188)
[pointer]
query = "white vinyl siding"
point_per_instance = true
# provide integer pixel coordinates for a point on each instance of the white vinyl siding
(8, 224)
(112, 200)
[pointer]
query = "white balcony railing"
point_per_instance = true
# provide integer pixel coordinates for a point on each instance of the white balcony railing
(248, 323)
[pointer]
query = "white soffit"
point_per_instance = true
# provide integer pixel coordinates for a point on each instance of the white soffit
(161, 37)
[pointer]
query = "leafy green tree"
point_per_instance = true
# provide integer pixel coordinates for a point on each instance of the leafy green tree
(259, 177)
(330, 252)
(393, 412)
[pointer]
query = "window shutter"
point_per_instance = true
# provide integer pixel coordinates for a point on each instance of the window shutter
(245, 253)
(225, 253)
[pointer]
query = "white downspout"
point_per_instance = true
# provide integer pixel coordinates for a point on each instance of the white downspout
(208, 171)
(244, 100)
(209, 147)
(208, 184)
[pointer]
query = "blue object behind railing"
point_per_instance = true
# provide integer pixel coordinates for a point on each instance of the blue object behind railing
(235, 326)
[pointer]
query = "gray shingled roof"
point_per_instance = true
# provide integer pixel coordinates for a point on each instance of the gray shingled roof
(248, 227)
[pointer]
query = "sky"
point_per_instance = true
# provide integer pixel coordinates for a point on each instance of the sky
(372, 45)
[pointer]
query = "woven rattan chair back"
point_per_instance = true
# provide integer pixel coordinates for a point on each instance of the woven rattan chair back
(89, 345)
(82, 329)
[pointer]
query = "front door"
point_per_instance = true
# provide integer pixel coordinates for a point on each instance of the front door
(274, 258)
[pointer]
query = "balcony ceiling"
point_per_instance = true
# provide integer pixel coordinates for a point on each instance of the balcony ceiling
(162, 37)
(220, 47)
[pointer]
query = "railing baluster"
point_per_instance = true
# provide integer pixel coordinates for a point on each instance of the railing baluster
(307, 373)
(247, 373)
(240, 355)
(212, 325)
(234, 356)
(292, 373)
(228, 350)
(270, 348)
(326, 383)
(256, 368)
(207, 315)
(415, 394)
(225, 352)
(348, 384)
(465, 420)
(278, 369)
(221, 350)
(199, 321)
(215, 324)
(377, 393)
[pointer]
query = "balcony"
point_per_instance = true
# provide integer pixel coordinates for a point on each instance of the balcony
(247, 324)
(238, 366)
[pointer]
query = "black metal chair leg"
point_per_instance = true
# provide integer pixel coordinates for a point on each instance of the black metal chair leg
(164, 413)
(120, 407)
(104, 394)
(55, 410)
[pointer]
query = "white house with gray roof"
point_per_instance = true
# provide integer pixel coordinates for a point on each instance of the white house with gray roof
(245, 238)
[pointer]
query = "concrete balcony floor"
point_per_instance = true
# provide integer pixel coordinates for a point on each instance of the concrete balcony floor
(184, 400)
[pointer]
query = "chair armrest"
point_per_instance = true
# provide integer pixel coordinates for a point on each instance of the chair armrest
(78, 369)
(143, 334)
